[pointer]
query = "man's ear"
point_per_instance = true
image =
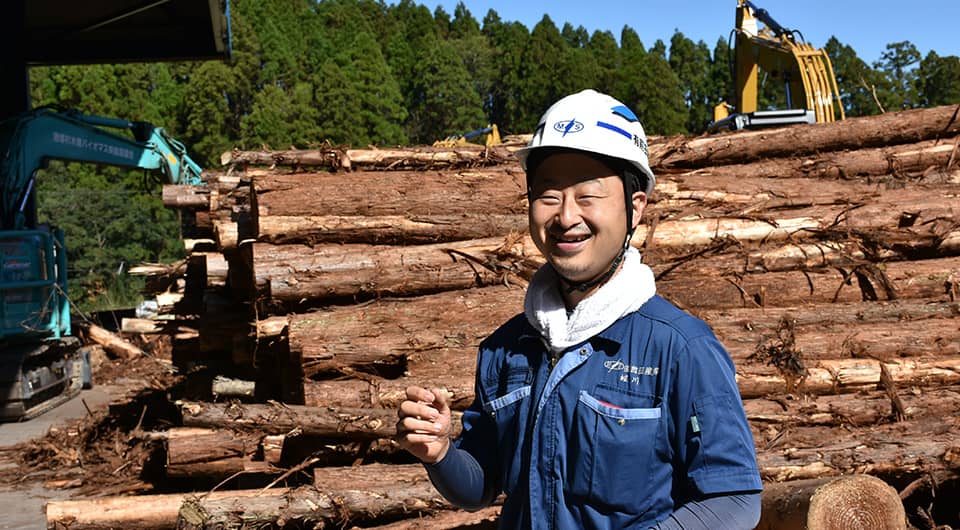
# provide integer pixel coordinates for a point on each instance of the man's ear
(639, 203)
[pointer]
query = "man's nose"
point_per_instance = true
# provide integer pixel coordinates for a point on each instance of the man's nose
(569, 214)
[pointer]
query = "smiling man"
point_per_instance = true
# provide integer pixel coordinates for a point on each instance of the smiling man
(602, 405)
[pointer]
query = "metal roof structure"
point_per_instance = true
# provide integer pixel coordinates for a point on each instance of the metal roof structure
(49, 32)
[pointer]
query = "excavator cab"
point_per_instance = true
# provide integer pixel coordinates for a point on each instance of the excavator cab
(810, 87)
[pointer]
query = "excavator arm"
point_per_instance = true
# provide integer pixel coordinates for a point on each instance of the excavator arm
(30, 140)
(807, 75)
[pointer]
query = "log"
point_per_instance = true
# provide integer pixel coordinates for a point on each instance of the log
(374, 194)
(422, 157)
(842, 503)
(317, 505)
(193, 452)
(929, 279)
(150, 512)
(863, 408)
(186, 196)
(330, 422)
(831, 376)
(896, 450)
(113, 343)
(385, 331)
(903, 161)
(484, 519)
(294, 273)
(392, 230)
(909, 126)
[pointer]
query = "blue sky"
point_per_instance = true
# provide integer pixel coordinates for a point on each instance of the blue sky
(867, 26)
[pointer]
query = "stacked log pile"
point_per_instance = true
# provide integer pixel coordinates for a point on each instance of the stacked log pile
(825, 257)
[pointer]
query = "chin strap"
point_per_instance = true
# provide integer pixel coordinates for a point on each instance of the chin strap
(584, 286)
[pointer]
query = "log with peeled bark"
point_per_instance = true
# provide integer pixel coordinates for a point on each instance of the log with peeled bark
(112, 342)
(892, 128)
(483, 519)
(905, 449)
(855, 502)
(342, 503)
(331, 422)
(142, 512)
(421, 157)
(197, 452)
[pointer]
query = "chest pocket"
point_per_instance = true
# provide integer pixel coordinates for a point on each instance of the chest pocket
(509, 413)
(614, 448)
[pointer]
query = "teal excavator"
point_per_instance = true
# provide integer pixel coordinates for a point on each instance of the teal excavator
(41, 362)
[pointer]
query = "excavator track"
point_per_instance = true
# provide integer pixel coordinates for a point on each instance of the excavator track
(45, 377)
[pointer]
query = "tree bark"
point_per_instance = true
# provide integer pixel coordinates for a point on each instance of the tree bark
(842, 503)
(892, 128)
(113, 343)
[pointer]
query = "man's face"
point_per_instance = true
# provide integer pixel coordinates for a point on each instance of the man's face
(577, 215)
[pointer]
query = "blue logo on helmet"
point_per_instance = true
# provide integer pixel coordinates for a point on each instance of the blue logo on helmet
(568, 126)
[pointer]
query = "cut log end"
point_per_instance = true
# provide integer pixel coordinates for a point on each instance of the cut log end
(856, 502)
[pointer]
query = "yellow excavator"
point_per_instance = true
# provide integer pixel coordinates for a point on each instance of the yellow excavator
(806, 73)
(493, 137)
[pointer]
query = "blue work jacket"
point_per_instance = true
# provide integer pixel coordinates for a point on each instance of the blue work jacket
(613, 433)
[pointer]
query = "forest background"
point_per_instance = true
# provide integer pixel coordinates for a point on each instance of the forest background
(365, 72)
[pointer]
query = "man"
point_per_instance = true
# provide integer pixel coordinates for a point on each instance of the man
(602, 405)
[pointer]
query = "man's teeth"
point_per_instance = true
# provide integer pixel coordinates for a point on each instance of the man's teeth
(573, 239)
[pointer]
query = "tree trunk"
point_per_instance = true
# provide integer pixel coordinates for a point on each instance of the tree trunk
(909, 126)
(842, 503)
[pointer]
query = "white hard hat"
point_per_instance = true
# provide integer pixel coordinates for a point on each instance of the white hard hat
(595, 123)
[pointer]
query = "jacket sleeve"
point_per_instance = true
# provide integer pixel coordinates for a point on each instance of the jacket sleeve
(728, 512)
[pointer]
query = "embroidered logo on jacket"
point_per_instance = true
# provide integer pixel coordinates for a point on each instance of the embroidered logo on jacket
(630, 373)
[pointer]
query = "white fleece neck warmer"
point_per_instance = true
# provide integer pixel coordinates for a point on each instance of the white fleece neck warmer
(623, 293)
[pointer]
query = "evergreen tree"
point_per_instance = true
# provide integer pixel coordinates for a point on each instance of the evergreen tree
(938, 80)
(445, 102)
(508, 41)
(605, 54)
(691, 63)
(650, 87)
(897, 64)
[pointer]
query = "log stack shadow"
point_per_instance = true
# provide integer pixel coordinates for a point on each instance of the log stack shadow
(825, 257)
